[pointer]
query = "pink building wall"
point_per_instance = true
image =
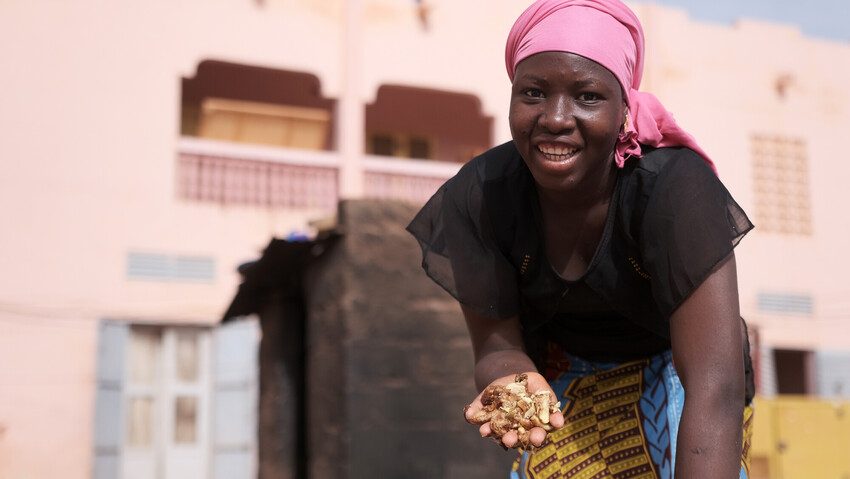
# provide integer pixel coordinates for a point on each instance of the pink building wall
(89, 136)
(721, 83)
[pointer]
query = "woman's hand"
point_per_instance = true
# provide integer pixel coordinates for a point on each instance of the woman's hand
(537, 435)
(499, 356)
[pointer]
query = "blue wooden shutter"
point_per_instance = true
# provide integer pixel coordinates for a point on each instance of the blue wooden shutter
(236, 399)
(767, 369)
(109, 425)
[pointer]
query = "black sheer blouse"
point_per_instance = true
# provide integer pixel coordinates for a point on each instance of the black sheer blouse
(671, 221)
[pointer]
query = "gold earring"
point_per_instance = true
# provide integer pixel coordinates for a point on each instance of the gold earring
(626, 122)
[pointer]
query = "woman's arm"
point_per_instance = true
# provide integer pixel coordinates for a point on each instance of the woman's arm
(707, 338)
(497, 346)
(499, 355)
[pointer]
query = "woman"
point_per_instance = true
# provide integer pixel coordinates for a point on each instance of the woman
(592, 253)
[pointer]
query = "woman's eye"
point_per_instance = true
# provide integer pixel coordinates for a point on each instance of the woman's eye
(533, 93)
(589, 97)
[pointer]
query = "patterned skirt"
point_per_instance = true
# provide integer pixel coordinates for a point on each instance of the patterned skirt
(621, 421)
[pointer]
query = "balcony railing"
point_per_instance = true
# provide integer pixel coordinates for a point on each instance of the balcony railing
(408, 180)
(247, 175)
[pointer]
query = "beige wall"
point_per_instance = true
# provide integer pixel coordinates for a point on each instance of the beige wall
(720, 83)
(46, 395)
(88, 138)
(88, 134)
(90, 123)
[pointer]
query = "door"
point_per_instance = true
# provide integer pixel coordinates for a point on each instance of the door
(167, 403)
(176, 402)
(142, 404)
(186, 402)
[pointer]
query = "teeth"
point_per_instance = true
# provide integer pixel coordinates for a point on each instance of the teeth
(557, 150)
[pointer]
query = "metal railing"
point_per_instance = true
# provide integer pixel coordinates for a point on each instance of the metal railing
(414, 181)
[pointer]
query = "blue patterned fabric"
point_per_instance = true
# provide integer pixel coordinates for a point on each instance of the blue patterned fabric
(622, 420)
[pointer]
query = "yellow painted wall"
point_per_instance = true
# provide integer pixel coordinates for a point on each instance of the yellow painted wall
(796, 437)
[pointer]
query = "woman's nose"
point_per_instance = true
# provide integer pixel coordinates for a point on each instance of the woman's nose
(558, 115)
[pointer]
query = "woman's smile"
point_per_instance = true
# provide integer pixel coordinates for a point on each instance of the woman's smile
(557, 152)
(557, 157)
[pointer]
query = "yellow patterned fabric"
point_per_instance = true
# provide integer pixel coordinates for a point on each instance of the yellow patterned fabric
(620, 422)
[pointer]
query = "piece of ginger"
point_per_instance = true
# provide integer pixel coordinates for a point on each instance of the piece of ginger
(512, 407)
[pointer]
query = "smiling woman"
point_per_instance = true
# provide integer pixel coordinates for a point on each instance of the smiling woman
(566, 114)
(588, 254)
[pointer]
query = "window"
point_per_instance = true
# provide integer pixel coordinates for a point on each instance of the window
(187, 356)
(140, 421)
(185, 419)
(780, 166)
(142, 386)
(403, 146)
(419, 148)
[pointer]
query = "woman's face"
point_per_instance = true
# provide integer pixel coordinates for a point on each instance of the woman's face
(566, 113)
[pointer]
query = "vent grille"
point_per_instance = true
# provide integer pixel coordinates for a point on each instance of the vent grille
(162, 267)
(780, 166)
(792, 304)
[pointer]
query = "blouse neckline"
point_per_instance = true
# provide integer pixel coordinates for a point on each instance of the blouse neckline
(600, 246)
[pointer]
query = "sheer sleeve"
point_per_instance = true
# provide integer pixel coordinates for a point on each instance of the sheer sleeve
(691, 224)
(460, 251)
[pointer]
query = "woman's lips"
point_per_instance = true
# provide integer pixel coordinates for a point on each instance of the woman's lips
(558, 153)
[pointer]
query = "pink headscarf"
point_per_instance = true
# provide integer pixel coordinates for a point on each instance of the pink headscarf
(607, 32)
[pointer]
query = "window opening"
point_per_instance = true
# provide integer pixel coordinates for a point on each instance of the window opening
(422, 123)
(250, 104)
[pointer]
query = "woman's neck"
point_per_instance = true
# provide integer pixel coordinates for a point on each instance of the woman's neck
(574, 223)
(585, 196)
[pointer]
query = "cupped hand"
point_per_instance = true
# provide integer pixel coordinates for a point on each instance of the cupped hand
(510, 439)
